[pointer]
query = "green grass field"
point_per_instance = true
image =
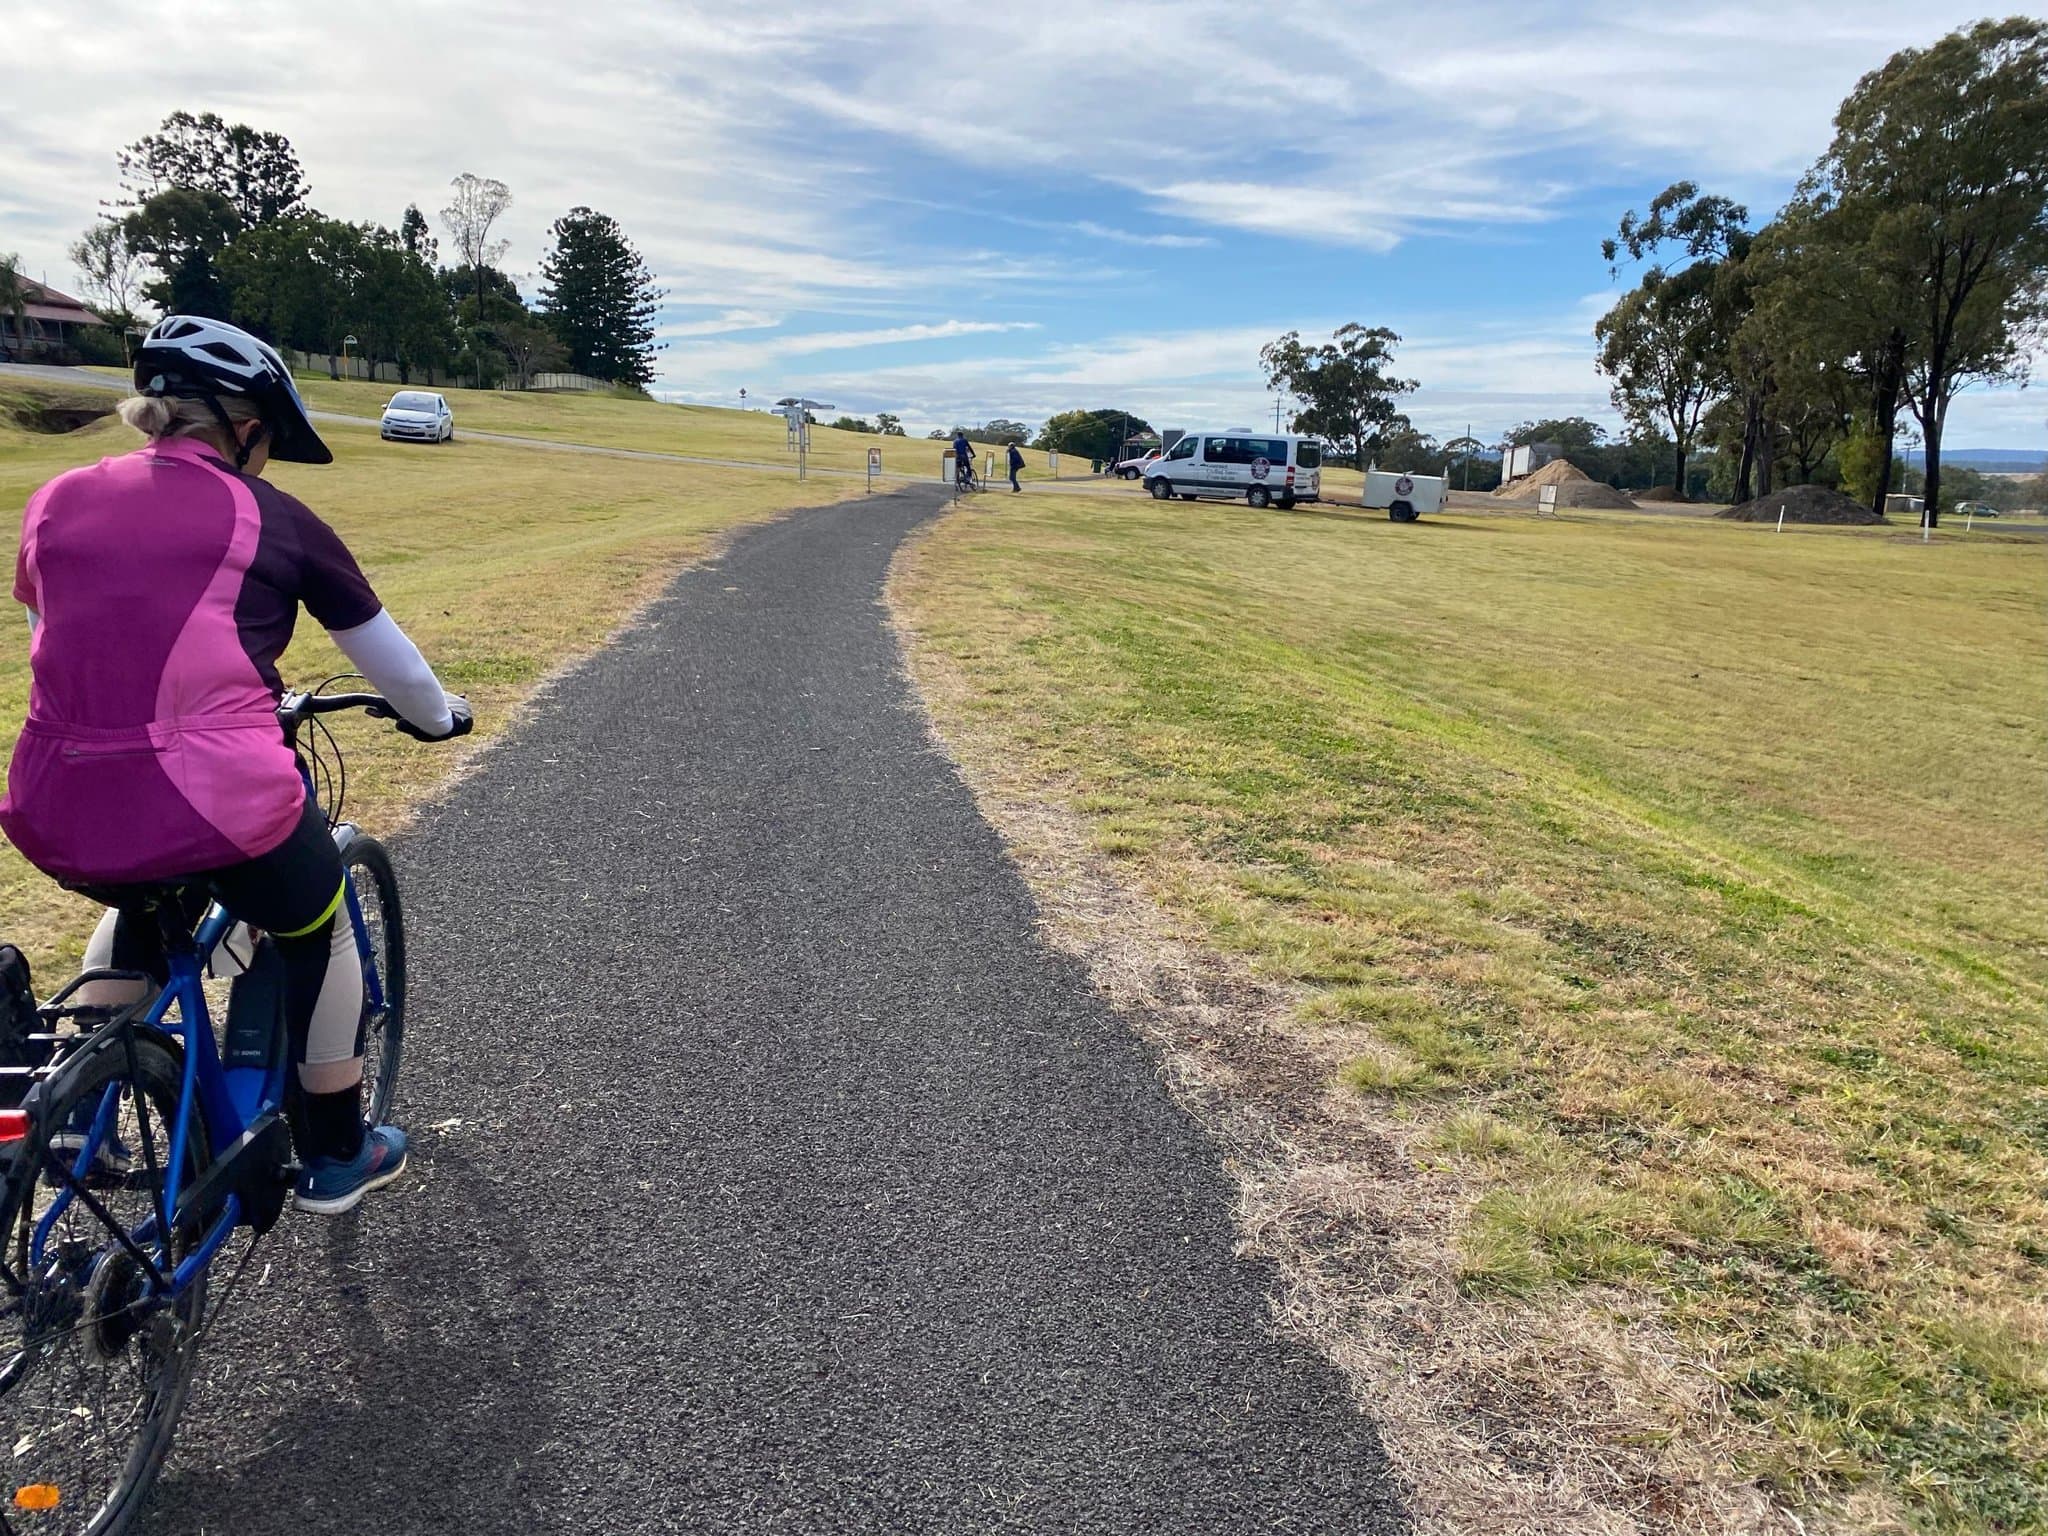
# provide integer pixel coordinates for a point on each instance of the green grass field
(612, 422)
(502, 562)
(1680, 883)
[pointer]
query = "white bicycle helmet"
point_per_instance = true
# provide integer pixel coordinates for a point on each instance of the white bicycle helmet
(193, 358)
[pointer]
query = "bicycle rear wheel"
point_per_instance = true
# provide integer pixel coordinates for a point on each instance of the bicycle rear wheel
(380, 939)
(94, 1369)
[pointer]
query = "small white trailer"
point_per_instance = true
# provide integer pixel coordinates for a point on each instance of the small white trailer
(1404, 497)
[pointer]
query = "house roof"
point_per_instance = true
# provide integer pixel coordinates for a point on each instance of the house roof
(46, 303)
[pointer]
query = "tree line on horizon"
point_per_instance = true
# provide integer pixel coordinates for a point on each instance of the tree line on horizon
(215, 218)
(1910, 264)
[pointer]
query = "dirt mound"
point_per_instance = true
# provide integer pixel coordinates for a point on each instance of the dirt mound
(1804, 504)
(1556, 472)
(1575, 488)
(1660, 493)
(1594, 493)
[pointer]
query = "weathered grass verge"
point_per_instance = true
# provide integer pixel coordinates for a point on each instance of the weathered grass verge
(1627, 1029)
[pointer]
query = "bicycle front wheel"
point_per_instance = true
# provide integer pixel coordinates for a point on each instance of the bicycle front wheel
(379, 923)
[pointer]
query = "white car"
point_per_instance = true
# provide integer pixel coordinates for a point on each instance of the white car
(416, 416)
(1134, 469)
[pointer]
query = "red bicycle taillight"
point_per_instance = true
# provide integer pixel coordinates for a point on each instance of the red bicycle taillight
(13, 1125)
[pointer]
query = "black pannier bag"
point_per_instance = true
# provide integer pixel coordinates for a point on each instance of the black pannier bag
(18, 1054)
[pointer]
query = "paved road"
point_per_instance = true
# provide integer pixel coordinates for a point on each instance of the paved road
(772, 1174)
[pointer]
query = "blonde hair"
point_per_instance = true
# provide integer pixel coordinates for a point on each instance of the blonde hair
(159, 416)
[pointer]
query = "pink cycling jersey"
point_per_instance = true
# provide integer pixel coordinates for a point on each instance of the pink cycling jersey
(167, 587)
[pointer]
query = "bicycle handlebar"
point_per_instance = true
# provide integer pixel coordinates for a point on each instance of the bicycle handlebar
(299, 706)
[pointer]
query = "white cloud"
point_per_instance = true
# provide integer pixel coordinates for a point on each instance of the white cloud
(696, 360)
(840, 341)
(760, 157)
(722, 325)
(1127, 237)
(1485, 374)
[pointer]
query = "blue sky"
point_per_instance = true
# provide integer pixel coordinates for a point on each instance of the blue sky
(956, 213)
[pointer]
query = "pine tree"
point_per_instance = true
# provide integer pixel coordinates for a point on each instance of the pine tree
(416, 237)
(600, 298)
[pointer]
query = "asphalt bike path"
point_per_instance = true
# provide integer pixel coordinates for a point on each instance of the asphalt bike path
(770, 1172)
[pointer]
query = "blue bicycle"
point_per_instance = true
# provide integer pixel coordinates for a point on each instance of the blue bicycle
(141, 1145)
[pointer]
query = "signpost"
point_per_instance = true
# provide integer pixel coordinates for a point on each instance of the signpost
(796, 412)
(874, 467)
(1546, 500)
(1052, 463)
(346, 343)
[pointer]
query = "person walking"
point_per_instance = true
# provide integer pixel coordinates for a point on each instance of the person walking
(1016, 464)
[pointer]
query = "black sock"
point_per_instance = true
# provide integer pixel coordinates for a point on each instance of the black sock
(334, 1123)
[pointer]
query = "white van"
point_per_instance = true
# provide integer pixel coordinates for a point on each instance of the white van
(1262, 468)
(1404, 498)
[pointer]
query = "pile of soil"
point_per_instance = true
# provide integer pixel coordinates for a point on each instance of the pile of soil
(1660, 493)
(1804, 504)
(1595, 493)
(1558, 472)
(1575, 488)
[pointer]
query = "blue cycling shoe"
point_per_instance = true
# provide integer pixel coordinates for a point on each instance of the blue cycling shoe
(331, 1185)
(110, 1159)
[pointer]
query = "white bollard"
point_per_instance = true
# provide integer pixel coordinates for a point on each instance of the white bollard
(1781, 517)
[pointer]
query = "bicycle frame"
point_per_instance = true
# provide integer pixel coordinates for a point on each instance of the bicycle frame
(235, 1098)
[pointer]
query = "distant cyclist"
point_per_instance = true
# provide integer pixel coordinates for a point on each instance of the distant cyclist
(963, 460)
(162, 587)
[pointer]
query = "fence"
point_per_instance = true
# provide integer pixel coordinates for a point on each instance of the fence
(557, 381)
(356, 367)
(387, 373)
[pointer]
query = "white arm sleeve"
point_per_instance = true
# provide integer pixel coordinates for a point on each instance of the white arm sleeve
(393, 664)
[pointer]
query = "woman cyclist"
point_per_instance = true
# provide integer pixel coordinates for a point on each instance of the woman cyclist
(162, 587)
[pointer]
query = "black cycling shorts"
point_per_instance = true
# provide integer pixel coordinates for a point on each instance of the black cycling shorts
(289, 893)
